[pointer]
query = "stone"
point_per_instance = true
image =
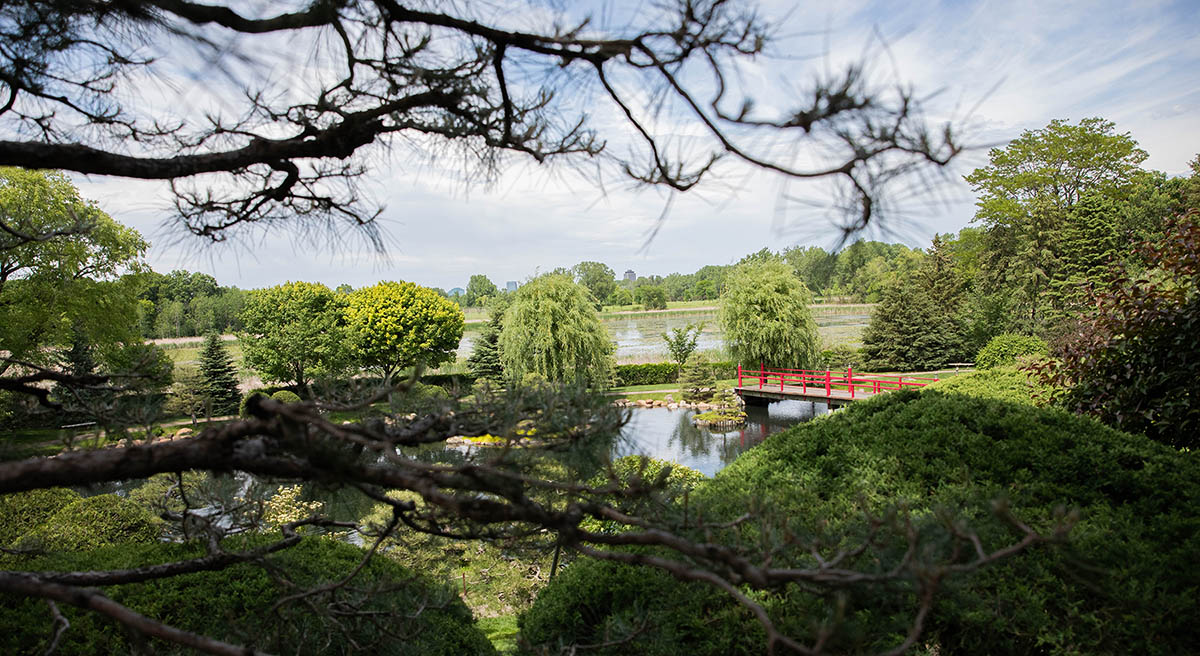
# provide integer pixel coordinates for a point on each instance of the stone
(672, 406)
(182, 433)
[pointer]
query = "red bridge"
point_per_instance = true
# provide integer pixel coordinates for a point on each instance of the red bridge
(761, 386)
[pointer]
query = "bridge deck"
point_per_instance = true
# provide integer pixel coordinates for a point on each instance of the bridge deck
(799, 393)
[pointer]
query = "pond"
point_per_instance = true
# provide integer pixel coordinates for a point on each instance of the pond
(669, 434)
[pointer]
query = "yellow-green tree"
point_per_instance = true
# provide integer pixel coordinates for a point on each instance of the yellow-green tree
(393, 325)
(552, 329)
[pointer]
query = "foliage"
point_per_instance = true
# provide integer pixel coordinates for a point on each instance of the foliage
(681, 343)
(484, 363)
(235, 604)
(599, 280)
(394, 325)
(620, 297)
(479, 289)
(287, 505)
(840, 358)
(918, 325)
(654, 373)
(242, 412)
(1002, 383)
(285, 396)
(1036, 232)
(294, 333)
(696, 381)
(943, 459)
(22, 511)
(93, 522)
(188, 395)
(1003, 350)
(652, 297)
(180, 304)
(1133, 360)
(766, 319)
(71, 280)
(552, 329)
(219, 376)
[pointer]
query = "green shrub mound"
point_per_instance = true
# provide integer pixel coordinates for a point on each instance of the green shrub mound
(93, 522)
(1003, 350)
(246, 399)
(233, 605)
(21, 512)
(285, 396)
(1124, 583)
(1000, 384)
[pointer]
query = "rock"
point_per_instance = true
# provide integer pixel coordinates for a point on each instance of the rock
(670, 399)
(182, 433)
(672, 406)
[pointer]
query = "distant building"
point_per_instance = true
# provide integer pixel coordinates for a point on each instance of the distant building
(511, 285)
(458, 291)
(630, 275)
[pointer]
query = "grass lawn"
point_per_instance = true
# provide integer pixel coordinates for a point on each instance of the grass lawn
(502, 631)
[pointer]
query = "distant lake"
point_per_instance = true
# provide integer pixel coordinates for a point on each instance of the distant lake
(638, 337)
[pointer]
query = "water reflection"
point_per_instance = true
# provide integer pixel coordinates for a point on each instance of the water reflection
(669, 434)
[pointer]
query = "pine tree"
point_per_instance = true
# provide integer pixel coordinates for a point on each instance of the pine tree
(219, 376)
(697, 381)
(484, 362)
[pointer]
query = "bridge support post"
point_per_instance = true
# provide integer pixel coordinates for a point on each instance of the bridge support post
(850, 380)
(827, 393)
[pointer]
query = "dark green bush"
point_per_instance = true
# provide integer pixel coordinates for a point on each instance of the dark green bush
(656, 373)
(246, 399)
(1125, 582)
(285, 396)
(93, 522)
(1003, 350)
(21, 512)
(233, 605)
(840, 358)
(461, 382)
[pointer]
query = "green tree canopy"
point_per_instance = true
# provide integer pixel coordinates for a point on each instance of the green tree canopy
(598, 278)
(294, 332)
(653, 297)
(552, 329)
(69, 277)
(394, 325)
(765, 315)
(479, 289)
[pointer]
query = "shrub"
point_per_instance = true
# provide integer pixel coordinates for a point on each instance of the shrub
(245, 399)
(841, 358)
(233, 604)
(1003, 350)
(656, 373)
(285, 396)
(93, 522)
(23, 511)
(1128, 566)
(1002, 384)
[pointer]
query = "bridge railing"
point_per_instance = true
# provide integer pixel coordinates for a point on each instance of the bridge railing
(828, 380)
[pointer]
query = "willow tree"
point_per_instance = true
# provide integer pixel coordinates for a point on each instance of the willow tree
(552, 329)
(765, 315)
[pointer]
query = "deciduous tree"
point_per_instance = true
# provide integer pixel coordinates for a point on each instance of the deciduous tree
(766, 318)
(294, 333)
(394, 325)
(551, 329)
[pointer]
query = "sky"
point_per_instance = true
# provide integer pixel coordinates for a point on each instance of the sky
(993, 68)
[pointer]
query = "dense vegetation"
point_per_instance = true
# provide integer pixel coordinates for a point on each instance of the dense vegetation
(938, 455)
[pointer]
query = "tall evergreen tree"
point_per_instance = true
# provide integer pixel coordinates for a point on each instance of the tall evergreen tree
(219, 376)
(484, 362)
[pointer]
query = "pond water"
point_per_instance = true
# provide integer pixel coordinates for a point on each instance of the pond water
(669, 434)
(639, 337)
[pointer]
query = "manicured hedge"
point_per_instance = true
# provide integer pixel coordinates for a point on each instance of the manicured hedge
(1125, 583)
(661, 373)
(1001, 384)
(233, 605)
